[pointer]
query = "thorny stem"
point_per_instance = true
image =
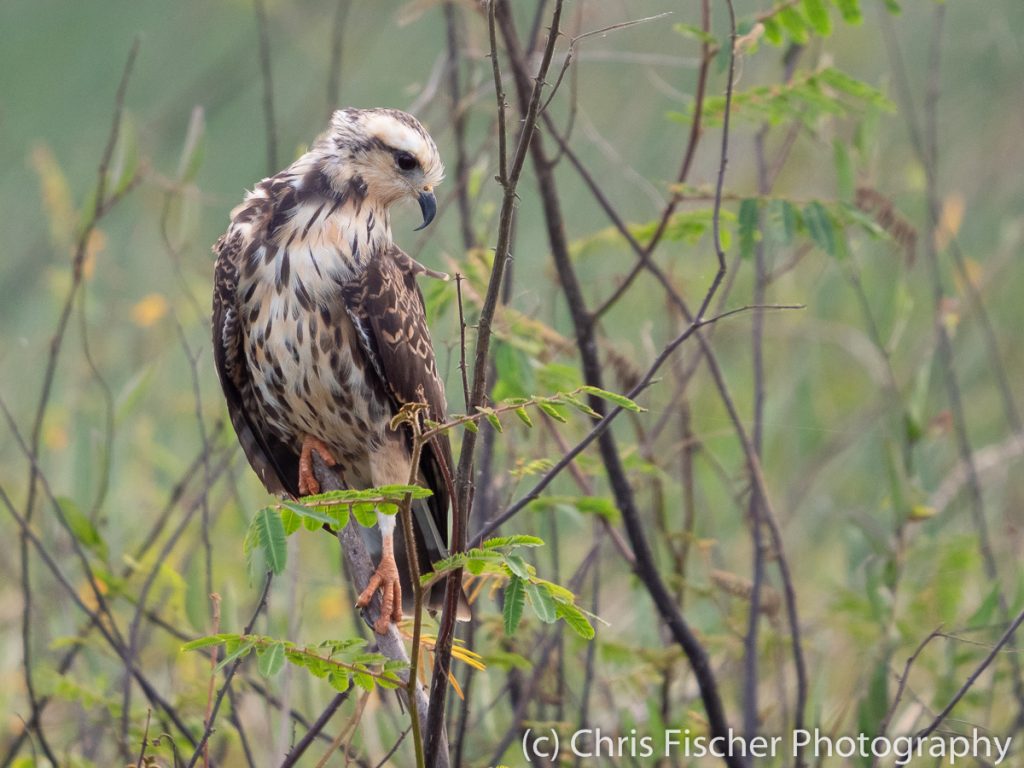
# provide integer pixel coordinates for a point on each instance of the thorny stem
(508, 177)
(644, 563)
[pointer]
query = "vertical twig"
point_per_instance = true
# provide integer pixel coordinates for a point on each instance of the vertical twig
(263, 29)
(586, 343)
(750, 644)
(208, 719)
(230, 674)
(458, 124)
(145, 741)
(509, 172)
(334, 64)
(755, 511)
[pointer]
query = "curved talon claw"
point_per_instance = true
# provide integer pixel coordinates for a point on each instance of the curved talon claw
(308, 484)
(385, 578)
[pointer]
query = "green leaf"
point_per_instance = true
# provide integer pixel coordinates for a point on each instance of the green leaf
(597, 505)
(517, 566)
(578, 404)
(125, 162)
(817, 15)
(514, 372)
(240, 652)
(794, 23)
(255, 562)
(897, 481)
(192, 151)
(575, 620)
(854, 88)
(309, 513)
(850, 11)
(748, 227)
(772, 31)
(492, 418)
(206, 642)
(269, 532)
(518, 540)
(844, 170)
(291, 521)
(698, 34)
(875, 703)
(524, 416)
(558, 377)
(471, 426)
(560, 593)
(365, 514)
(400, 491)
(819, 224)
(340, 514)
(339, 680)
(82, 528)
(620, 400)
(541, 602)
(552, 411)
(515, 596)
(271, 659)
(363, 680)
(780, 221)
(590, 505)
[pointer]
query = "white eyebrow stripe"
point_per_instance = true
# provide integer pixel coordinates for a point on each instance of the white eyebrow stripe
(396, 135)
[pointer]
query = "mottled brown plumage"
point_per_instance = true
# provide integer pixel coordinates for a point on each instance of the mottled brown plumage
(320, 334)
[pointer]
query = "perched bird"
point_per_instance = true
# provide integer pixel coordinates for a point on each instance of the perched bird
(319, 331)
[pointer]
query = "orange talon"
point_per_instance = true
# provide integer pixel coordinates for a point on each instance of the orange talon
(385, 578)
(308, 484)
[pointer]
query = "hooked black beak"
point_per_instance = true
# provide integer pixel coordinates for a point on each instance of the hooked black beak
(428, 205)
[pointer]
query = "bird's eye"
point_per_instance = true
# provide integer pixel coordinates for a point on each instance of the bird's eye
(405, 161)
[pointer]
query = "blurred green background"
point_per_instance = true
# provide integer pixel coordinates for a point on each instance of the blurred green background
(870, 584)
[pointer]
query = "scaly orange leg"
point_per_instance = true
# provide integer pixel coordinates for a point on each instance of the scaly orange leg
(385, 578)
(308, 484)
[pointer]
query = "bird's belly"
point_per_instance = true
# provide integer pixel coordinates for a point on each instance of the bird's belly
(312, 379)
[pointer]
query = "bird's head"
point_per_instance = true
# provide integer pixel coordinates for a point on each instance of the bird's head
(389, 152)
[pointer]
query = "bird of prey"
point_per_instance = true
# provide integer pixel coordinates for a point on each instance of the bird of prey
(320, 335)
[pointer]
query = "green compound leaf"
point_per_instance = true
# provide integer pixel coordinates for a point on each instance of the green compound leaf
(748, 227)
(620, 400)
(515, 597)
(575, 619)
(817, 16)
(271, 659)
(541, 602)
(819, 225)
(268, 533)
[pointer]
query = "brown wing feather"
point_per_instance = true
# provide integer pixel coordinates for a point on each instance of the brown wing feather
(274, 463)
(386, 307)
